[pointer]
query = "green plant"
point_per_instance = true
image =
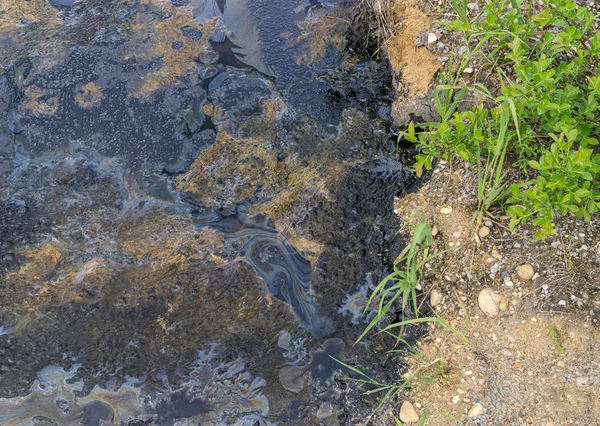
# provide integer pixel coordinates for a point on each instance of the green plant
(402, 283)
(403, 280)
(490, 175)
(425, 374)
(556, 338)
(568, 181)
(550, 62)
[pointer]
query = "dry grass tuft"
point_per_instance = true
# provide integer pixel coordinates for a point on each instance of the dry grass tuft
(382, 11)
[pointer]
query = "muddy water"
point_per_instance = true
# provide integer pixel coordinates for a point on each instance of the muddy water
(195, 198)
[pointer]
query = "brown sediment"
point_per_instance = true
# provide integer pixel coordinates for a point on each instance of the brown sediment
(210, 109)
(320, 33)
(232, 170)
(417, 64)
(164, 40)
(303, 181)
(89, 95)
(30, 29)
(273, 109)
(40, 102)
(43, 264)
(171, 244)
(36, 13)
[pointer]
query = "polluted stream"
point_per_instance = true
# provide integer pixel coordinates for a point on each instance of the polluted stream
(196, 197)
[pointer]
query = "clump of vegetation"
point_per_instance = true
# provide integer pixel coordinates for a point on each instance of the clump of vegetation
(401, 286)
(402, 283)
(548, 69)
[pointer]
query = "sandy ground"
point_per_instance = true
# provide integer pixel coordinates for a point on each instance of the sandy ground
(532, 355)
(533, 358)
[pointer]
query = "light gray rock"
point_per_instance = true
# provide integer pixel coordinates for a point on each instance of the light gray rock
(408, 414)
(489, 302)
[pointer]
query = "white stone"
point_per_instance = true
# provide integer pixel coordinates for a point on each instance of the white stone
(488, 302)
(468, 70)
(476, 410)
(435, 298)
(456, 399)
(408, 414)
(525, 272)
(483, 232)
(446, 210)
(431, 38)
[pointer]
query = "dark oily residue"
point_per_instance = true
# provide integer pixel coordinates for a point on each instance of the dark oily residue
(95, 413)
(320, 369)
(134, 320)
(284, 270)
(66, 3)
(180, 406)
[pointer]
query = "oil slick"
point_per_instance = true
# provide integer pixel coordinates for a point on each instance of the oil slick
(354, 304)
(319, 371)
(220, 390)
(295, 352)
(54, 400)
(358, 308)
(284, 270)
(237, 41)
(217, 391)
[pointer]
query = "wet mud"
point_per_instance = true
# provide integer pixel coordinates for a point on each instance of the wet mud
(189, 193)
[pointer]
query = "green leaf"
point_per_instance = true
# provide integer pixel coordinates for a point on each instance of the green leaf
(535, 165)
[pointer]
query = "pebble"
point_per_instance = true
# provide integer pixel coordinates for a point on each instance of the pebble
(483, 232)
(503, 305)
(435, 298)
(476, 410)
(560, 364)
(468, 70)
(408, 414)
(434, 231)
(431, 38)
(525, 272)
(446, 210)
(488, 302)
(456, 399)
(562, 302)
(473, 6)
